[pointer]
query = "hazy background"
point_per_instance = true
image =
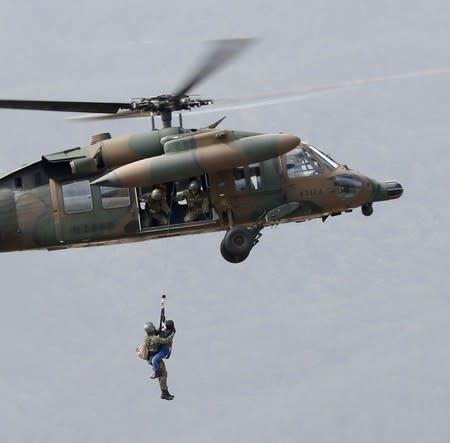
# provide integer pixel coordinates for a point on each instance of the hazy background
(331, 332)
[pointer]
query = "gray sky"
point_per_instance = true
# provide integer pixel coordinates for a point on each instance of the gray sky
(331, 332)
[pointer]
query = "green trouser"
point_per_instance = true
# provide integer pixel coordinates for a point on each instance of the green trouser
(162, 376)
(193, 214)
(161, 218)
(149, 218)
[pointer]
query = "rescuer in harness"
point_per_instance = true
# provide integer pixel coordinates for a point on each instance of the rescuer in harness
(168, 329)
(157, 346)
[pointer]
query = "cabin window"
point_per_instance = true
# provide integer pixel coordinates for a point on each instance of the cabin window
(239, 179)
(300, 163)
(18, 182)
(254, 172)
(248, 178)
(77, 196)
(114, 197)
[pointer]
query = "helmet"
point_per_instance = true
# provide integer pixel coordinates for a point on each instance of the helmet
(194, 186)
(149, 327)
(170, 325)
(156, 194)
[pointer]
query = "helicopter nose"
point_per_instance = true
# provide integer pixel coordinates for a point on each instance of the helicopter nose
(389, 190)
(394, 189)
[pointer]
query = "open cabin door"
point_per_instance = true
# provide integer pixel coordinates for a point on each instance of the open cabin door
(171, 213)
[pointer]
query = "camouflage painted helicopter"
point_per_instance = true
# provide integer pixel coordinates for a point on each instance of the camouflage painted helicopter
(93, 195)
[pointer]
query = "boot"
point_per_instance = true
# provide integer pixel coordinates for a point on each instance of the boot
(165, 395)
(156, 374)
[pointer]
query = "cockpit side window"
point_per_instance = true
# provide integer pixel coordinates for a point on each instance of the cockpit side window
(300, 163)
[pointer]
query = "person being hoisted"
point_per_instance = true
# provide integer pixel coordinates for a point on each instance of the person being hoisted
(167, 329)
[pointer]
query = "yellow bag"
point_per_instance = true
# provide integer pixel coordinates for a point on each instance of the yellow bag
(142, 351)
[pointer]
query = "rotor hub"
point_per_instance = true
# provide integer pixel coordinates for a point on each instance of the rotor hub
(168, 102)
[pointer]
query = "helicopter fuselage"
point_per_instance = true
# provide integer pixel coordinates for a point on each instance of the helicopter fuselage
(52, 203)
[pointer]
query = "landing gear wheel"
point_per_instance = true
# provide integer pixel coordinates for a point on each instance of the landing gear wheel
(230, 257)
(238, 241)
(367, 209)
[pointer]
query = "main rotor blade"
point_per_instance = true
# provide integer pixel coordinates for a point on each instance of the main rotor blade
(221, 52)
(118, 115)
(63, 106)
(295, 96)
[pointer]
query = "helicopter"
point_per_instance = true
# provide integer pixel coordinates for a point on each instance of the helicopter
(96, 194)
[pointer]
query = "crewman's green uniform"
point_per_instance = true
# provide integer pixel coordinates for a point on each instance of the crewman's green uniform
(153, 342)
(197, 204)
(156, 210)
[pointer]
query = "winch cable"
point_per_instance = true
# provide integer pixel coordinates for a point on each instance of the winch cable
(162, 317)
(162, 320)
(167, 260)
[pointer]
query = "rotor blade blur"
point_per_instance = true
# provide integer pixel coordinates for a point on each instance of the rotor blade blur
(295, 96)
(221, 105)
(220, 53)
(64, 106)
(119, 115)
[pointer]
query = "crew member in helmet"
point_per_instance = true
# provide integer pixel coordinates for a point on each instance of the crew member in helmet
(153, 341)
(155, 208)
(197, 201)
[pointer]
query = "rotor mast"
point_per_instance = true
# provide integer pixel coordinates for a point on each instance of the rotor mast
(166, 118)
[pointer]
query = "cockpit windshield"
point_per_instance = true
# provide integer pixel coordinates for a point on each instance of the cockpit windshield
(329, 162)
(301, 163)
